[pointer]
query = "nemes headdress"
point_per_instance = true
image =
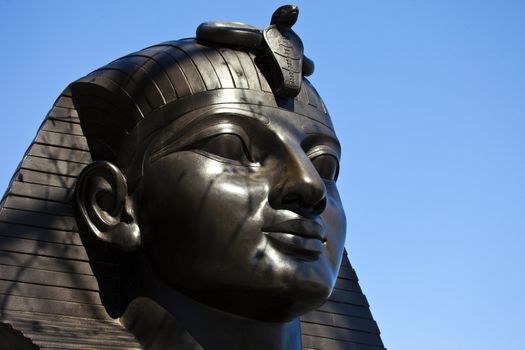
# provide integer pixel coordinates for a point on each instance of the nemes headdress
(226, 62)
(58, 287)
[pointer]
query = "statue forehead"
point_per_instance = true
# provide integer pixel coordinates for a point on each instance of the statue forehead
(247, 114)
(249, 104)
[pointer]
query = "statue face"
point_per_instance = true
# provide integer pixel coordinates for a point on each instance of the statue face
(240, 210)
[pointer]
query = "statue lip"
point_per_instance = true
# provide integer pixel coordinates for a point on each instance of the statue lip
(299, 227)
(304, 238)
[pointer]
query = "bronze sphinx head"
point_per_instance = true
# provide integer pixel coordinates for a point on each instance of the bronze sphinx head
(213, 183)
(219, 172)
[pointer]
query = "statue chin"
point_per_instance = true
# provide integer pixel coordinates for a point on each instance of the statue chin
(254, 305)
(258, 306)
(162, 317)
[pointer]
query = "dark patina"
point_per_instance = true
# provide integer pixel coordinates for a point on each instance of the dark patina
(207, 205)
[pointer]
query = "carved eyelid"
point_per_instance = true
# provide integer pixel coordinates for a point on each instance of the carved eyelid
(320, 150)
(186, 141)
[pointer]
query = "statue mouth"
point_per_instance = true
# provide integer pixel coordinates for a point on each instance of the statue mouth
(305, 239)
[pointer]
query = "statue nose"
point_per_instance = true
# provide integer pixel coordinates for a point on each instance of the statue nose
(300, 188)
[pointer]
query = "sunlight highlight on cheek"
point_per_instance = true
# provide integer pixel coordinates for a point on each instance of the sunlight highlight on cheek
(233, 189)
(214, 167)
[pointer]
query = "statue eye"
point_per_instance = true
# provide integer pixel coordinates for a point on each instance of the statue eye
(228, 146)
(327, 166)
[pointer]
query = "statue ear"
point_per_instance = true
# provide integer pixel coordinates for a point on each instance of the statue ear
(104, 205)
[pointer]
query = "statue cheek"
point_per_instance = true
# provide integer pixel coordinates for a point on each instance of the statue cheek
(193, 194)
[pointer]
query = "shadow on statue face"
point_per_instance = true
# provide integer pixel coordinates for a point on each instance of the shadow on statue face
(238, 209)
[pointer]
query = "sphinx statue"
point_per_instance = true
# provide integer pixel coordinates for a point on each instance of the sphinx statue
(184, 197)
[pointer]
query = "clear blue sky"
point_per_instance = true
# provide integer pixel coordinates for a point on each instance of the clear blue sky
(428, 98)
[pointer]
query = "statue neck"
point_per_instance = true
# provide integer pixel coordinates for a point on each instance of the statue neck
(183, 323)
